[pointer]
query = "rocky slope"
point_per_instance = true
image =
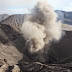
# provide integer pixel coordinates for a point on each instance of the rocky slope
(3, 16)
(11, 44)
(34, 67)
(15, 20)
(65, 17)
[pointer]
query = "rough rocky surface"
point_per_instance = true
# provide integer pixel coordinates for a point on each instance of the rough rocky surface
(34, 67)
(11, 44)
(65, 17)
(15, 20)
(3, 16)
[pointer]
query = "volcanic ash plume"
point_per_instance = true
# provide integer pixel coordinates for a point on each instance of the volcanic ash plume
(41, 27)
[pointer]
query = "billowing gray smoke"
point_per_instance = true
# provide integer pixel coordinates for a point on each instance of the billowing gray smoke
(41, 27)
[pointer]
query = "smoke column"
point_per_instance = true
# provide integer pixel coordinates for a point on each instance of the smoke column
(41, 27)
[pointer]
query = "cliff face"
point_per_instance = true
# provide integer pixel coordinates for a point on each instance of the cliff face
(65, 17)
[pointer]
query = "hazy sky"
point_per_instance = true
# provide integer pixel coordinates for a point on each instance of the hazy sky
(23, 6)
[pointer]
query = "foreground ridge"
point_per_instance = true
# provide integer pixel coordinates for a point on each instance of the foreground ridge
(34, 67)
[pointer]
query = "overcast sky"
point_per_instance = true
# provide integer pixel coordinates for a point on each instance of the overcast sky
(23, 6)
